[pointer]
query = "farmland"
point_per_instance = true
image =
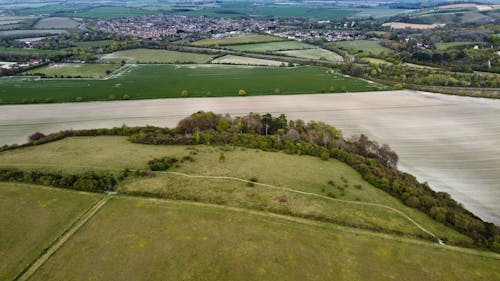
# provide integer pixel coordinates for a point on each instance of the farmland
(314, 54)
(155, 81)
(110, 12)
(367, 46)
(447, 45)
(34, 216)
(56, 23)
(87, 70)
(237, 39)
(310, 175)
(164, 240)
(230, 59)
(30, 51)
(21, 33)
(156, 56)
(270, 47)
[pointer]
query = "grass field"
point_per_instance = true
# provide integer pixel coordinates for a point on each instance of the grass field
(56, 23)
(87, 70)
(238, 39)
(32, 217)
(111, 12)
(369, 46)
(168, 81)
(156, 56)
(22, 33)
(447, 45)
(30, 51)
(375, 61)
(314, 54)
(139, 239)
(271, 46)
(230, 59)
(308, 174)
(92, 44)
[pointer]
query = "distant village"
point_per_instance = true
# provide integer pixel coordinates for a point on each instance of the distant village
(182, 27)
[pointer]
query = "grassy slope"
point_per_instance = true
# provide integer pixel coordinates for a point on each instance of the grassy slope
(365, 45)
(271, 46)
(236, 40)
(73, 69)
(305, 173)
(168, 81)
(157, 56)
(32, 217)
(138, 239)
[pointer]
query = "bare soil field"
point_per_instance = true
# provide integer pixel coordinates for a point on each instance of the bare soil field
(451, 142)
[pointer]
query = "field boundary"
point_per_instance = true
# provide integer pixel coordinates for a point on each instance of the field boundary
(310, 194)
(66, 235)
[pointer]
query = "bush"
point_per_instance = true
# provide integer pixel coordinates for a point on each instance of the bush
(242, 92)
(162, 164)
(78, 99)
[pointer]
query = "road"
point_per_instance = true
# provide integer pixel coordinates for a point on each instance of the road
(451, 142)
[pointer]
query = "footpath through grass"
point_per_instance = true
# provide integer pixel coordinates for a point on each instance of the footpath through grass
(31, 218)
(141, 239)
(170, 81)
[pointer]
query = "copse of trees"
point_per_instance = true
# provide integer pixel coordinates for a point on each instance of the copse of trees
(376, 163)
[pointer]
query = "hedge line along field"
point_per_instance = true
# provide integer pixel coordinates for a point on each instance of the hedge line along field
(32, 217)
(156, 56)
(305, 173)
(170, 81)
(145, 239)
(314, 54)
(88, 70)
(270, 46)
(237, 39)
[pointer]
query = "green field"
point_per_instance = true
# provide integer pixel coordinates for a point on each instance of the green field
(92, 44)
(156, 56)
(140, 239)
(30, 51)
(32, 217)
(23, 33)
(238, 39)
(314, 54)
(56, 22)
(240, 60)
(168, 81)
(447, 45)
(307, 174)
(87, 70)
(369, 46)
(271, 46)
(111, 12)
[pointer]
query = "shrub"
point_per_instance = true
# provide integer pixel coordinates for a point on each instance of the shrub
(162, 164)
(184, 93)
(125, 97)
(242, 92)
(78, 99)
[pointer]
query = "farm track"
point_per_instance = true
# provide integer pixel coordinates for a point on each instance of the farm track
(61, 240)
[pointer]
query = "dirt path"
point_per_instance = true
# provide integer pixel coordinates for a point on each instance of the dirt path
(314, 195)
(67, 235)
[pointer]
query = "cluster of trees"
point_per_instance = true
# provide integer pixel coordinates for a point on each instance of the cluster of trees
(376, 163)
(162, 164)
(89, 181)
(421, 76)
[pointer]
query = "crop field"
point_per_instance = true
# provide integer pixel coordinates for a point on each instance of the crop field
(86, 70)
(21, 33)
(30, 51)
(32, 217)
(309, 174)
(142, 239)
(271, 46)
(238, 39)
(169, 81)
(368, 46)
(447, 45)
(56, 23)
(314, 54)
(111, 12)
(239, 60)
(156, 56)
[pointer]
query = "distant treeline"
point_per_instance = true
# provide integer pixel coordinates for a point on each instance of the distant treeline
(376, 163)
